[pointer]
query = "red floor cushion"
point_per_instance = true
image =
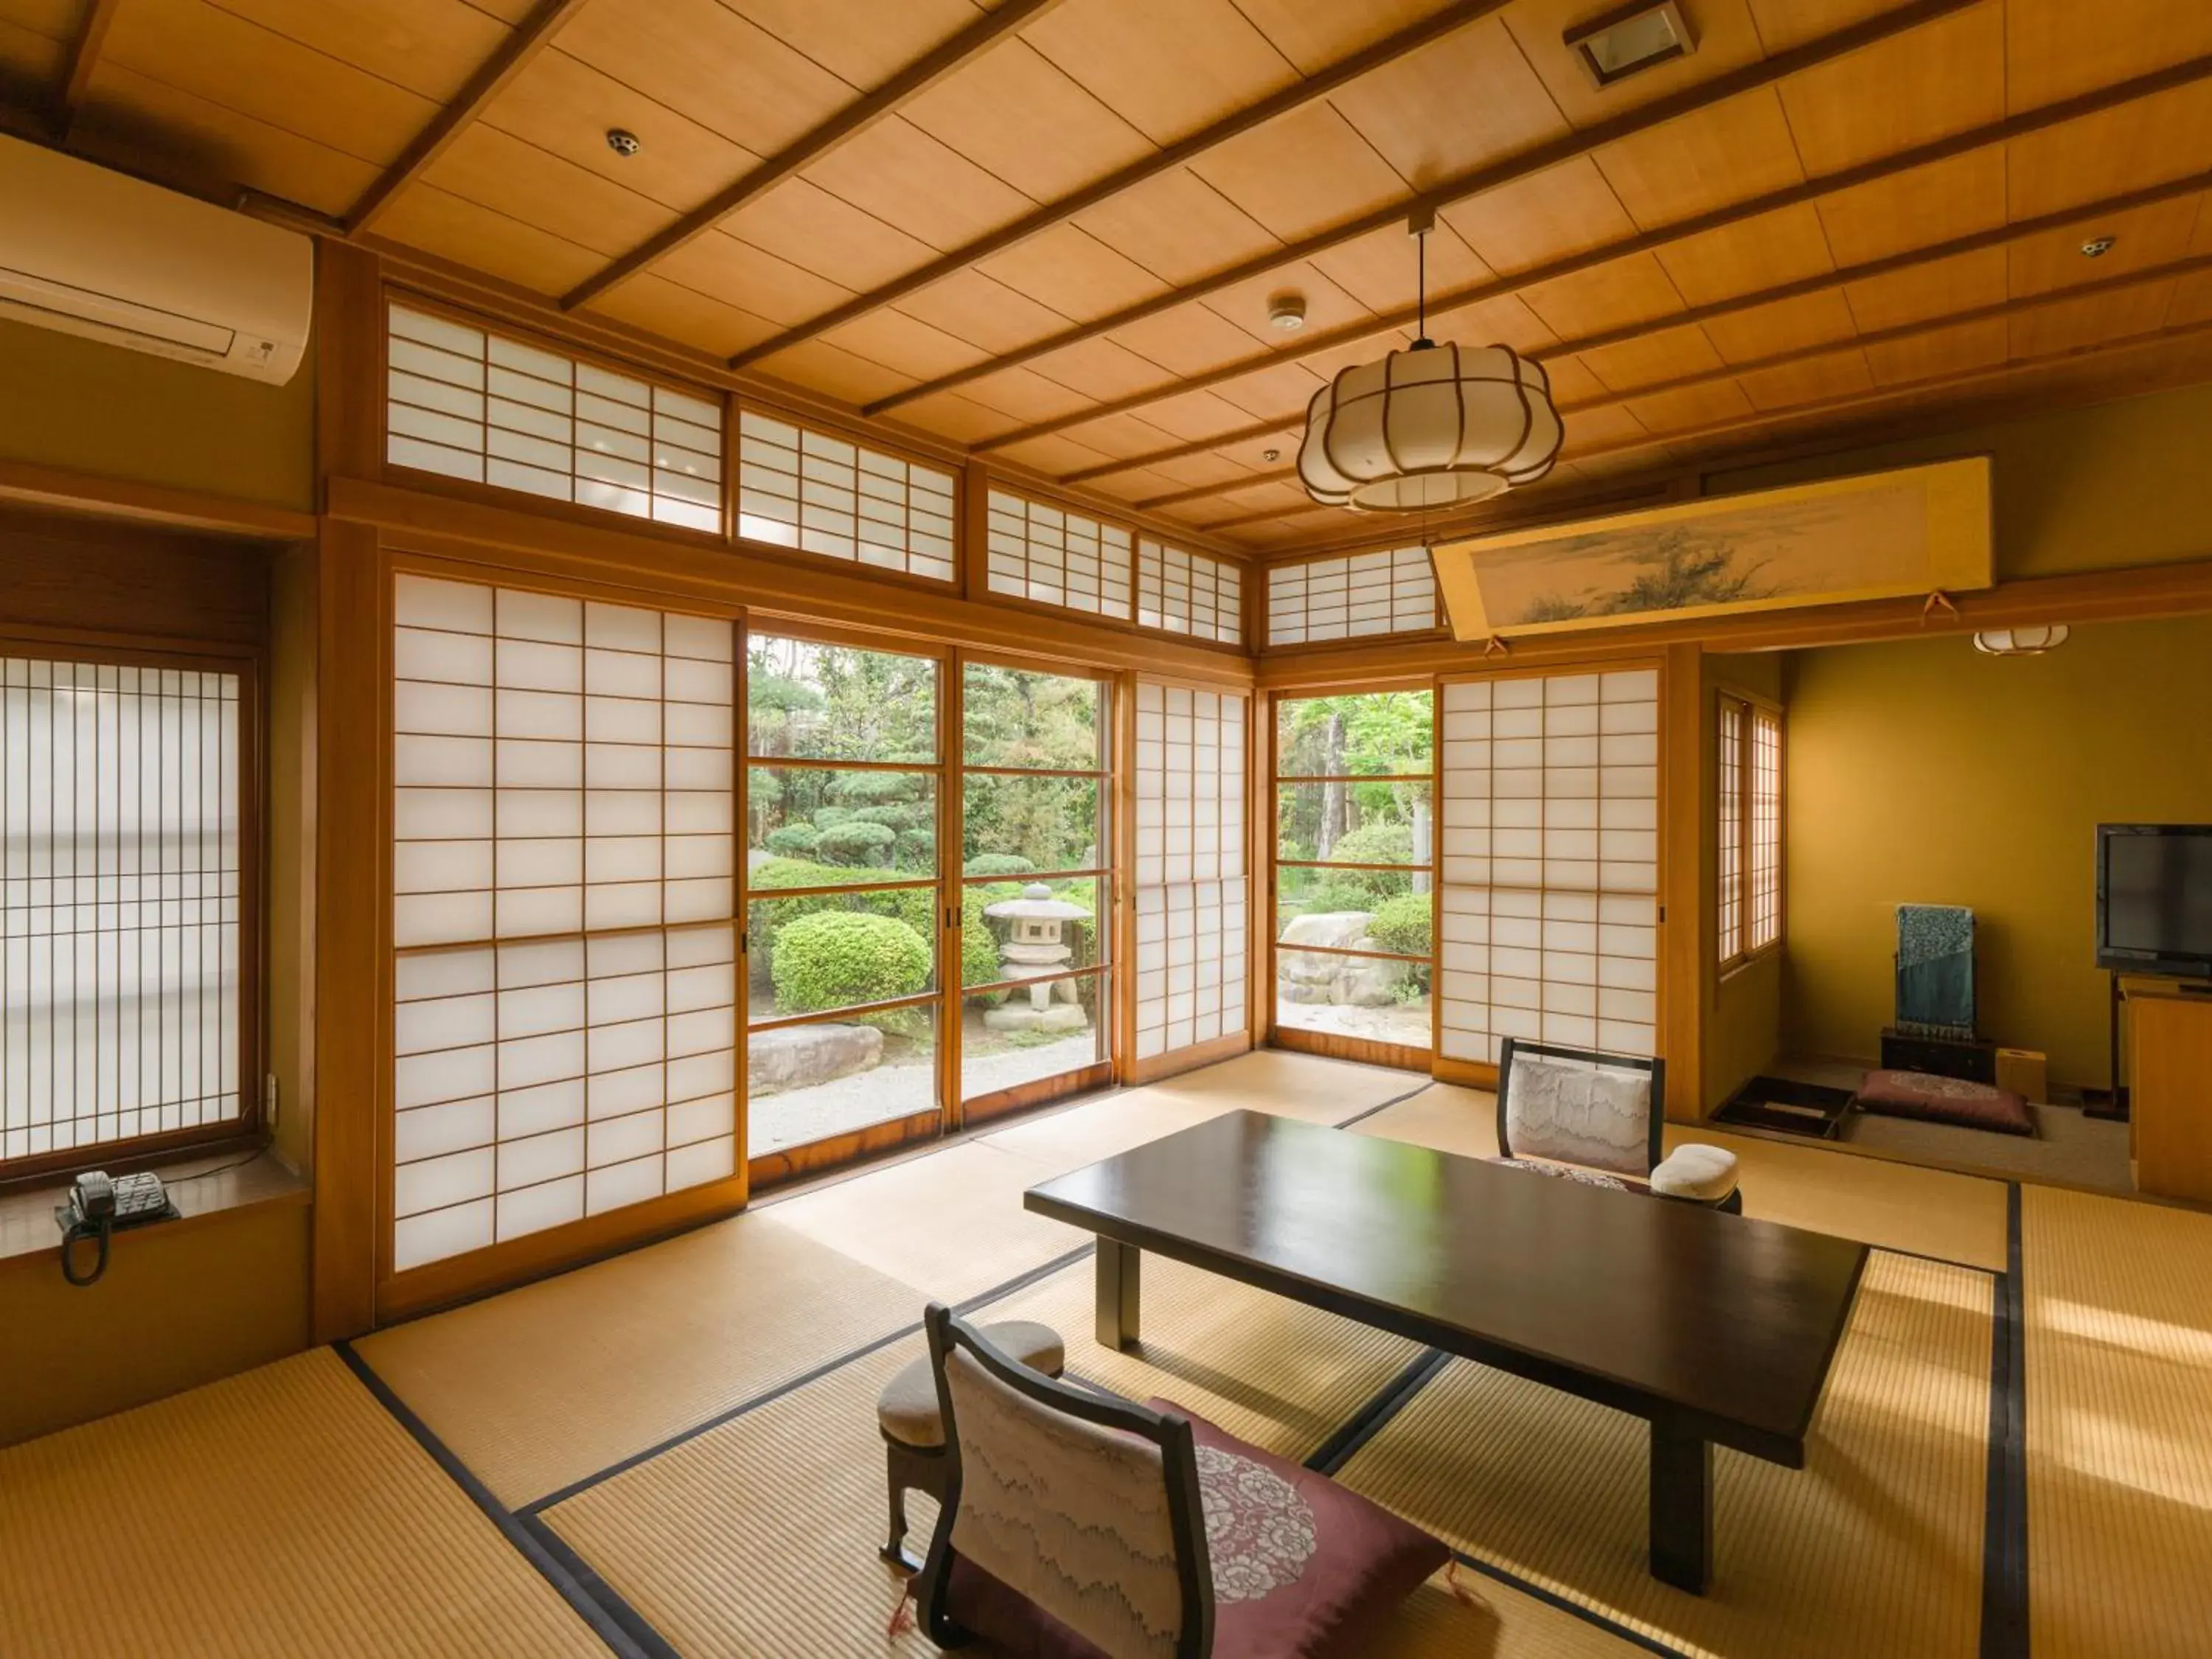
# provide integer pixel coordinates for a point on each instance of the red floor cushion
(1946, 1100)
(1303, 1567)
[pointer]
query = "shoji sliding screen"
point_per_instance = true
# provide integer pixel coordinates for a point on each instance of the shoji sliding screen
(1551, 863)
(1191, 885)
(562, 915)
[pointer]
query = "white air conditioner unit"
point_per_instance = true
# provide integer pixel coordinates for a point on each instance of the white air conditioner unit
(98, 253)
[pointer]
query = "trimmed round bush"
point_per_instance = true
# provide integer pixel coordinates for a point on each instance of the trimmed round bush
(1402, 924)
(979, 949)
(855, 843)
(895, 817)
(828, 817)
(1375, 843)
(858, 789)
(794, 840)
(999, 864)
(837, 959)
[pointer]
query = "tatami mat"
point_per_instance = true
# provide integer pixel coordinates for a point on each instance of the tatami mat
(951, 1226)
(282, 1513)
(2118, 1311)
(549, 1384)
(758, 1536)
(1894, 1206)
(1875, 1547)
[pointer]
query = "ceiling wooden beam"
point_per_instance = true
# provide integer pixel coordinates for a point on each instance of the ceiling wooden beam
(946, 59)
(84, 57)
(2004, 235)
(1822, 49)
(1296, 96)
(2192, 71)
(1761, 420)
(530, 38)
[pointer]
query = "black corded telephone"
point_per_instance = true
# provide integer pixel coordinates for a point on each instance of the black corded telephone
(98, 1205)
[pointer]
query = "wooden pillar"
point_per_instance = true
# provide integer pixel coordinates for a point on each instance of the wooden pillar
(1684, 788)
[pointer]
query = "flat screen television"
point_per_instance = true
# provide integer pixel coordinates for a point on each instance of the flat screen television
(2154, 898)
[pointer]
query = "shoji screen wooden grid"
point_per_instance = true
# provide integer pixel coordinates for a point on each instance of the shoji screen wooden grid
(1734, 716)
(806, 490)
(1765, 898)
(1184, 593)
(479, 406)
(1191, 882)
(1551, 863)
(120, 878)
(1056, 557)
(563, 864)
(1351, 598)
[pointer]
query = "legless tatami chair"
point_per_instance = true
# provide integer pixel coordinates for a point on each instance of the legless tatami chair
(1600, 1119)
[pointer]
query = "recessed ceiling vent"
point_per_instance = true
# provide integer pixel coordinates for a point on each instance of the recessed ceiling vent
(1635, 38)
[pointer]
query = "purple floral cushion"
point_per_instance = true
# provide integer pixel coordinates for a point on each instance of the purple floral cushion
(1303, 1567)
(1946, 1100)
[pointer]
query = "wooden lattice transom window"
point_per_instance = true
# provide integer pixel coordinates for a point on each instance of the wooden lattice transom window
(1749, 805)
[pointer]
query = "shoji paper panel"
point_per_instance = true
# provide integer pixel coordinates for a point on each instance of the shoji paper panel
(562, 814)
(536, 1084)
(823, 494)
(1732, 718)
(479, 406)
(120, 870)
(1551, 863)
(1182, 592)
(1766, 827)
(1192, 888)
(1366, 593)
(1056, 557)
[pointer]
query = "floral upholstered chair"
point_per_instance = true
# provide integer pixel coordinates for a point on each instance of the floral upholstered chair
(1599, 1119)
(1079, 1526)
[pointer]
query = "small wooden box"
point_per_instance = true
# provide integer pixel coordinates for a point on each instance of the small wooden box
(2024, 1072)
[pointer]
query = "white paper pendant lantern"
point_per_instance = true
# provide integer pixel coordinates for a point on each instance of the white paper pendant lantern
(1430, 426)
(2021, 641)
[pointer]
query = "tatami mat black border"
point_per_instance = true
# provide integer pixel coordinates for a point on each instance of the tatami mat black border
(1368, 1421)
(613, 1620)
(1427, 1084)
(2004, 1526)
(1565, 1604)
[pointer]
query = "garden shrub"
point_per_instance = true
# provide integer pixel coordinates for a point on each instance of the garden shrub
(979, 950)
(794, 840)
(858, 789)
(999, 864)
(1401, 924)
(895, 817)
(855, 843)
(835, 959)
(828, 817)
(917, 849)
(1376, 843)
(915, 906)
(1339, 890)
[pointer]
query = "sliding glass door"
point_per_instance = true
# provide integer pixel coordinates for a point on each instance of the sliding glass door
(1354, 881)
(844, 804)
(1036, 885)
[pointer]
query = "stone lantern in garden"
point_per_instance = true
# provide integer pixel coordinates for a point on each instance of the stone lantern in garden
(1037, 946)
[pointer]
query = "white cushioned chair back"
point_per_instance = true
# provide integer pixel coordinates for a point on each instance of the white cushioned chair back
(1069, 1515)
(1573, 1112)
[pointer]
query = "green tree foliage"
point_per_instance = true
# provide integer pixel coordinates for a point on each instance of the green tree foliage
(855, 843)
(794, 840)
(767, 917)
(1380, 841)
(998, 863)
(1402, 924)
(1356, 736)
(833, 960)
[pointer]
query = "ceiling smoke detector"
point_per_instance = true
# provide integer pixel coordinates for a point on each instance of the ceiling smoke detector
(2097, 244)
(1631, 40)
(1271, 455)
(623, 142)
(1286, 312)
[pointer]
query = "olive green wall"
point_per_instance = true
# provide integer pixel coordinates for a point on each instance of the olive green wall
(1923, 772)
(2097, 488)
(95, 408)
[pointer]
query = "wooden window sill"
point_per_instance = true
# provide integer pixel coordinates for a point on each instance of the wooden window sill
(203, 1186)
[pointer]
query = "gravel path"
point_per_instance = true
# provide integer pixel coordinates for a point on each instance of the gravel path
(895, 1088)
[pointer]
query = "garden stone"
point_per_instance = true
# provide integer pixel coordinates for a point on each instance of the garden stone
(1369, 983)
(1337, 928)
(1015, 1016)
(797, 1056)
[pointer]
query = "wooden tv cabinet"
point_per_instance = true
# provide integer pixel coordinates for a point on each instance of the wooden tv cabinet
(2169, 1067)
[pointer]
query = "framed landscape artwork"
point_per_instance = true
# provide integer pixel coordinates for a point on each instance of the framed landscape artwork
(1883, 535)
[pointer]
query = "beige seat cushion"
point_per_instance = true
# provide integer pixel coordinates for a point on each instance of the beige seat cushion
(1706, 1174)
(907, 1407)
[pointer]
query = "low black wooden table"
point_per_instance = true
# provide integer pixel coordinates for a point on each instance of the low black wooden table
(1717, 1329)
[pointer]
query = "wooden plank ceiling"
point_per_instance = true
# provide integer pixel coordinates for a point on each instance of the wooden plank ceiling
(1049, 229)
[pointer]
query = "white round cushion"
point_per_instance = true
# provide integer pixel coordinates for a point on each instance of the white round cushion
(1706, 1174)
(907, 1407)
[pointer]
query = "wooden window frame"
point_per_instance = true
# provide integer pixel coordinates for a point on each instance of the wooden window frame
(1266, 786)
(149, 1151)
(1752, 710)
